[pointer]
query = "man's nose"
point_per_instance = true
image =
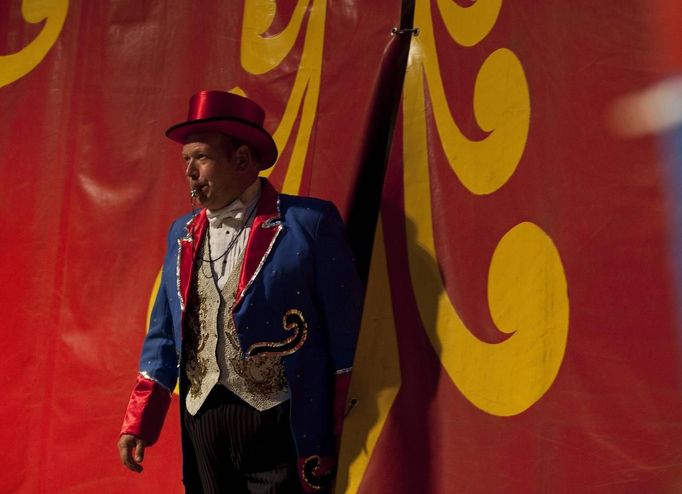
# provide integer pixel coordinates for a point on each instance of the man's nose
(191, 170)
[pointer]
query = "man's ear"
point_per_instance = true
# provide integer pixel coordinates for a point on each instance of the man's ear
(243, 157)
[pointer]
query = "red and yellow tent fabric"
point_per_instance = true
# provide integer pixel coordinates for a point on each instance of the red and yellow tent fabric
(521, 329)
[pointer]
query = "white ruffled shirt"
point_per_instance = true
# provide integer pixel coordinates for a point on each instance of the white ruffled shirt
(226, 223)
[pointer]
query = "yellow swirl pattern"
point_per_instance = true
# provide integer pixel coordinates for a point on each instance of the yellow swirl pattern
(527, 290)
(469, 25)
(16, 65)
(261, 54)
(501, 106)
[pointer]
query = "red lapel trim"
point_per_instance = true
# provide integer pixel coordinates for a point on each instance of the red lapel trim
(266, 226)
(188, 247)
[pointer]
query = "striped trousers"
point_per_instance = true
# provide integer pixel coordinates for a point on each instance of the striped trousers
(241, 450)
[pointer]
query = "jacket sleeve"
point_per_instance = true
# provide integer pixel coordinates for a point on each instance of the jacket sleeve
(151, 395)
(341, 295)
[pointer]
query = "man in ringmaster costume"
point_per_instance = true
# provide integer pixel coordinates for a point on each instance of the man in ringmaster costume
(257, 316)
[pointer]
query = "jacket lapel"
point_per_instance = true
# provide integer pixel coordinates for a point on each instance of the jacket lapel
(264, 231)
(188, 247)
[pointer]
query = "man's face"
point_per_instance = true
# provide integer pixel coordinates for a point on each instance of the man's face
(214, 170)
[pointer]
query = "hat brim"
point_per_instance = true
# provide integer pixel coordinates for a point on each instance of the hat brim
(241, 130)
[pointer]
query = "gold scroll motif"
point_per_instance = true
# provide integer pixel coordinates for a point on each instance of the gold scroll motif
(261, 54)
(16, 65)
(527, 289)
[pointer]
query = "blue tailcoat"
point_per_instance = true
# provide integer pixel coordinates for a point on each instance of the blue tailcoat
(299, 297)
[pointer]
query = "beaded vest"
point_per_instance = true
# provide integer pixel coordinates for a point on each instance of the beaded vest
(212, 352)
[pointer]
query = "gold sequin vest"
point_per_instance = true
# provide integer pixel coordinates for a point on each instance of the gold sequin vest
(212, 352)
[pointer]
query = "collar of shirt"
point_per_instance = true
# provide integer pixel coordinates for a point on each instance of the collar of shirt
(237, 211)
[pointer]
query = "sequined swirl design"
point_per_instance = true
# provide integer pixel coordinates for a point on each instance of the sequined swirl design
(313, 476)
(293, 321)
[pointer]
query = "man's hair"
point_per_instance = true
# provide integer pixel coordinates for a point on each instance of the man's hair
(231, 144)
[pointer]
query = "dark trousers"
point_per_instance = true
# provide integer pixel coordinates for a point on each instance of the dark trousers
(241, 450)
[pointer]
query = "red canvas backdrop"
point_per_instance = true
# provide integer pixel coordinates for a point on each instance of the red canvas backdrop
(609, 419)
(90, 185)
(94, 185)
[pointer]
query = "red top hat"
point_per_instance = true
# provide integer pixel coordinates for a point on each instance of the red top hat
(230, 114)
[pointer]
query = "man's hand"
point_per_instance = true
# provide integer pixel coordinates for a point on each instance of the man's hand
(131, 451)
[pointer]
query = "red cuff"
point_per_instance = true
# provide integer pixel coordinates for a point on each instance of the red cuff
(146, 410)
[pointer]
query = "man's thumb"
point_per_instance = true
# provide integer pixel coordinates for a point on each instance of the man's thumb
(139, 451)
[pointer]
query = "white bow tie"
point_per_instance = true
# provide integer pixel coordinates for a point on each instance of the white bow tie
(229, 214)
